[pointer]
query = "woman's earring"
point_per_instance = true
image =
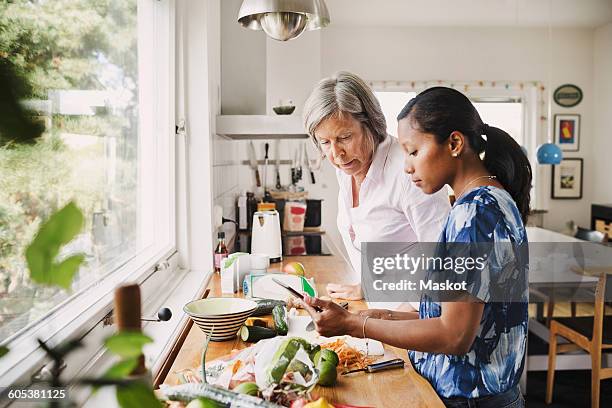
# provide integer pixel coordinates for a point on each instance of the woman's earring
(455, 154)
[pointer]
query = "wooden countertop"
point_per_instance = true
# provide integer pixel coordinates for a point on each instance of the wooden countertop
(394, 388)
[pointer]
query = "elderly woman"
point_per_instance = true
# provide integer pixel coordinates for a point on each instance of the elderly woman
(377, 201)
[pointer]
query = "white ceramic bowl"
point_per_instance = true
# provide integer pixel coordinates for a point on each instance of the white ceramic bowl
(225, 315)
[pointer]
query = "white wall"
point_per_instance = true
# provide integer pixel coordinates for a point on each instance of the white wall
(425, 53)
(602, 138)
(243, 65)
(292, 69)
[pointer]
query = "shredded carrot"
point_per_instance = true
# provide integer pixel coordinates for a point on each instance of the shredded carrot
(350, 358)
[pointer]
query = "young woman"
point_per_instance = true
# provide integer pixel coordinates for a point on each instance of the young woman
(472, 351)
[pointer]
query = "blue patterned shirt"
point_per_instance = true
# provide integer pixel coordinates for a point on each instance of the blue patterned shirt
(495, 361)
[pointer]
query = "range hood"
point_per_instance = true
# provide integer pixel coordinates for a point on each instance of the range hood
(241, 127)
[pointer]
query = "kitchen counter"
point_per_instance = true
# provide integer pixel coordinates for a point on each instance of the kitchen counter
(394, 388)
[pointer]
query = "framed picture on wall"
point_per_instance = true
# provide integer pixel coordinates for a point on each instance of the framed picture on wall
(567, 132)
(567, 179)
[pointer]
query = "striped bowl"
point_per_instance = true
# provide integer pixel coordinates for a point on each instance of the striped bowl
(222, 317)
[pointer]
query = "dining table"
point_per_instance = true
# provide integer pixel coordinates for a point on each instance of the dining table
(402, 387)
(559, 262)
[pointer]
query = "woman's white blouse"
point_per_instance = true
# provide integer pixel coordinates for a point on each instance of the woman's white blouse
(391, 207)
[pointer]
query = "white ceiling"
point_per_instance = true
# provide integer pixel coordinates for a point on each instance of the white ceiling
(470, 13)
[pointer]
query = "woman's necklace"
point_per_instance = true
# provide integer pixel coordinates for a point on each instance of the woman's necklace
(470, 182)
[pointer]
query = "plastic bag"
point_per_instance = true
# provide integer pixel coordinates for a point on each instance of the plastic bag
(300, 368)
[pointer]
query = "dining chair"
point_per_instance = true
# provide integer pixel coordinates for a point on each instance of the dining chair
(586, 234)
(591, 334)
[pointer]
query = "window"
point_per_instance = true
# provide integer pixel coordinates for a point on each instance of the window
(514, 106)
(392, 104)
(100, 82)
(504, 113)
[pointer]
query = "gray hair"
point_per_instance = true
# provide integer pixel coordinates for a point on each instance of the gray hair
(343, 93)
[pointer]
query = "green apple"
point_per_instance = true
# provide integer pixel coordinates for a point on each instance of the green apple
(294, 268)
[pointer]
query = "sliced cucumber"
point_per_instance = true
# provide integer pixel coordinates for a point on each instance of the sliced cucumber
(279, 314)
(252, 334)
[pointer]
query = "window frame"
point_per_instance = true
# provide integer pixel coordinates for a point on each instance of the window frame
(156, 264)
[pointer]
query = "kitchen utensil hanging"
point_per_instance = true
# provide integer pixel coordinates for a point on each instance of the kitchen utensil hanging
(277, 163)
(253, 163)
(308, 165)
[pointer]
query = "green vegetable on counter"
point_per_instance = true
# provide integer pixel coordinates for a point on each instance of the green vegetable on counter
(300, 367)
(327, 373)
(253, 334)
(248, 388)
(313, 352)
(326, 361)
(265, 306)
(330, 356)
(279, 314)
(281, 359)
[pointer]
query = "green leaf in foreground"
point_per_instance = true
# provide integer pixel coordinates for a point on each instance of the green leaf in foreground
(137, 395)
(127, 344)
(119, 370)
(57, 231)
(3, 351)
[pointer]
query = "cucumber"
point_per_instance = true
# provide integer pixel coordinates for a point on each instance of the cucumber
(281, 359)
(279, 314)
(253, 334)
(284, 356)
(265, 306)
(191, 391)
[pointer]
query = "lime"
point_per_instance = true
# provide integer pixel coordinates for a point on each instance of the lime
(329, 356)
(327, 374)
(317, 357)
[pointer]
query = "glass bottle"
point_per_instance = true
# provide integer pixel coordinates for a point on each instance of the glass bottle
(221, 251)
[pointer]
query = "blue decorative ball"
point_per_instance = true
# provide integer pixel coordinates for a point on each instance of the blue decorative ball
(549, 153)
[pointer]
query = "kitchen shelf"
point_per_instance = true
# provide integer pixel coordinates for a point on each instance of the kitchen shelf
(244, 127)
(271, 162)
(290, 233)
